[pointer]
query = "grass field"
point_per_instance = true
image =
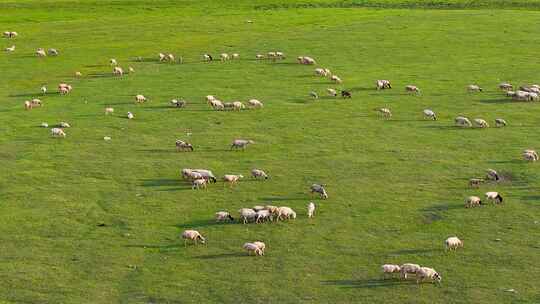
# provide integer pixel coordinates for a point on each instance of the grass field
(396, 187)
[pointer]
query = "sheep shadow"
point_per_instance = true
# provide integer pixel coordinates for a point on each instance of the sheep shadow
(441, 207)
(512, 161)
(413, 251)
(202, 224)
(161, 182)
(223, 256)
(531, 198)
(358, 89)
(159, 150)
(101, 75)
(95, 65)
(368, 283)
(30, 95)
(168, 247)
(498, 101)
(143, 59)
(281, 198)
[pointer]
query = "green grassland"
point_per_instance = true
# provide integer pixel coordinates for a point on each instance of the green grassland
(396, 187)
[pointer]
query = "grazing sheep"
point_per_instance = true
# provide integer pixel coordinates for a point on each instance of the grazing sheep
(64, 87)
(78, 74)
(505, 86)
(10, 49)
(217, 105)
(321, 72)
(346, 94)
(530, 155)
(254, 103)
(113, 61)
(494, 197)
(316, 188)
(109, 111)
(280, 55)
(461, 121)
(52, 52)
(412, 88)
(207, 57)
(475, 182)
(250, 247)
(331, 92)
(224, 57)
(306, 60)
(27, 105)
(271, 55)
(427, 273)
(336, 79)
(178, 103)
(170, 57)
(383, 84)
(63, 91)
(41, 53)
(261, 245)
(36, 102)
(389, 269)
(257, 173)
(429, 114)
(453, 243)
(182, 146)
(480, 123)
(474, 88)
(192, 235)
(140, 98)
(241, 143)
(223, 216)
(107, 138)
(235, 56)
(259, 208)
(311, 209)
(199, 183)
(10, 34)
(55, 132)
(472, 201)
(43, 90)
(407, 269)
(238, 106)
(162, 57)
(285, 213)
(44, 125)
(206, 174)
(314, 94)
(499, 123)
(385, 113)
(130, 115)
(492, 175)
(118, 71)
(259, 56)
(263, 215)
(64, 124)
(232, 179)
(247, 214)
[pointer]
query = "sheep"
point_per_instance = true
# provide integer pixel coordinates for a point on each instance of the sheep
(383, 84)
(259, 56)
(429, 114)
(199, 183)
(261, 245)
(182, 146)
(186, 173)
(232, 179)
(107, 138)
(412, 88)
(140, 98)
(314, 94)
(170, 57)
(217, 105)
(389, 269)
(472, 201)
(10, 49)
(55, 132)
(210, 98)
(263, 215)
(207, 57)
(533, 96)
(257, 173)
(492, 175)
(311, 209)
(36, 102)
(524, 96)
(207, 174)
(427, 273)
(461, 121)
(250, 247)
(78, 74)
(64, 86)
(385, 113)
(280, 55)
(179, 103)
(505, 86)
(494, 197)
(316, 188)
(453, 243)
(331, 92)
(480, 123)
(235, 56)
(41, 52)
(27, 105)
(113, 62)
(192, 235)
(346, 94)
(43, 90)
(64, 124)
(499, 123)
(224, 57)
(320, 72)
(223, 216)
(408, 268)
(52, 52)
(162, 57)
(254, 103)
(532, 155)
(10, 34)
(194, 176)
(63, 91)
(118, 71)
(131, 69)
(109, 110)
(241, 143)
(247, 214)
(474, 88)
(306, 60)
(130, 115)
(44, 125)
(237, 106)
(475, 182)
(336, 79)
(271, 55)
(259, 208)
(285, 213)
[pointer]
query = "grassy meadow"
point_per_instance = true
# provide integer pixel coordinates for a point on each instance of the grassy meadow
(83, 220)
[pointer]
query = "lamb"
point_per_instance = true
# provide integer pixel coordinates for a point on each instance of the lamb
(241, 143)
(383, 84)
(346, 94)
(64, 124)
(472, 201)
(27, 105)
(505, 86)
(499, 123)
(52, 52)
(336, 79)
(311, 209)
(182, 146)
(453, 243)
(429, 114)
(192, 235)
(408, 268)
(217, 104)
(480, 123)
(113, 62)
(178, 103)
(207, 57)
(256, 173)
(223, 216)
(118, 71)
(130, 115)
(331, 92)
(10, 49)
(232, 179)
(224, 57)
(427, 273)
(247, 214)
(389, 269)
(261, 245)
(55, 132)
(43, 90)
(207, 174)
(285, 213)
(262, 215)
(412, 88)
(254, 103)
(250, 247)
(494, 197)
(41, 52)
(140, 98)
(475, 182)
(461, 121)
(237, 106)
(316, 188)
(385, 113)
(78, 74)
(199, 183)
(109, 111)
(474, 88)
(492, 175)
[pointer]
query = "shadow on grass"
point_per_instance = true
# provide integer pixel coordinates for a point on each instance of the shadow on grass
(413, 251)
(369, 283)
(101, 75)
(95, 65)
(144, 59)
(161, 182)
(285, 198)
(442, 207)
(34, 95)
(499, 100)
(510, 161)
(223, 256)
(160, 247)
(531, 198)
(202, 223)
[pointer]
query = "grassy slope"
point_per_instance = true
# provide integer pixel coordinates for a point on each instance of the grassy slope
(396, 187)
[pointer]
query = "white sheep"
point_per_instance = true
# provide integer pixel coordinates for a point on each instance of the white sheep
(331, 92)
(247, 214)
(383, 84)
(109, 110)
(474, 88)
(44, 125)
(407, 269)
(179, 103)
(412, 88)
(130, 115)
(480, 123)
(223, 216)
(261, 245)
(263, 215)
(250, 247)
(257, 173)
(492, 175)
(311, 209)
(10, 49)
(389, 269)
(192, 235)
(118, 71)
(113, 62)
(494, 197)
(241, 143)
(182, 145)
(41, 53)
(52, 52)
(55, 132)
(453, 243)
(43, 90)
(314, 94)
(224, 57)
(140, 98)
(207, 57)
(427, 273)
(206, 174)
(254, 103)
(162, 57)
(319, 189)
(461, 121)
(235, 56)
(385, 113)
(499, 122)
(530, 155)
(237, 106)
(429, 114)
(320, 72)
(285, 213)
(336, 79)
(232, 179)
(28, 105)
(505, 86)
(78, 74)
(64, 124)
(199, 183)
(472, 201)
(259, 56)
